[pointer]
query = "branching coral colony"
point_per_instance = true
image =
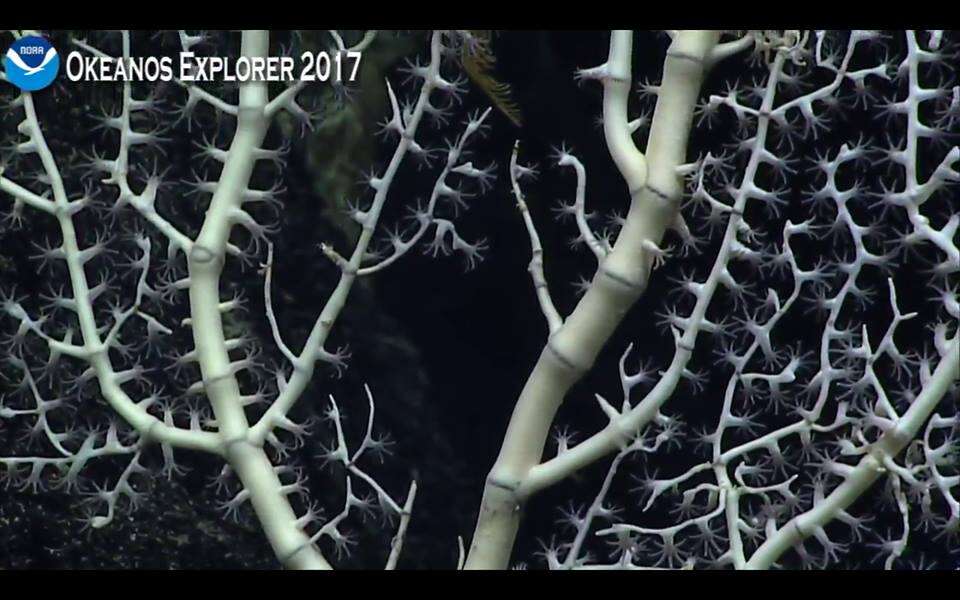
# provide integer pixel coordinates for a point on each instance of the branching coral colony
(109, 323)
(821, 268)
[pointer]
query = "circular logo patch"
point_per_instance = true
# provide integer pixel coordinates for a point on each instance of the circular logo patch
(31, 63)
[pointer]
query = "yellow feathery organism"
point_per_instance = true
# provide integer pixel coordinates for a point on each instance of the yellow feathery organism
(479, 61)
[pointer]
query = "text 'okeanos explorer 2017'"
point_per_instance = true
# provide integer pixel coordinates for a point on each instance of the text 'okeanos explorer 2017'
(188, 67)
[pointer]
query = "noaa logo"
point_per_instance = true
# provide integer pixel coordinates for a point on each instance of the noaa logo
(31, 63)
